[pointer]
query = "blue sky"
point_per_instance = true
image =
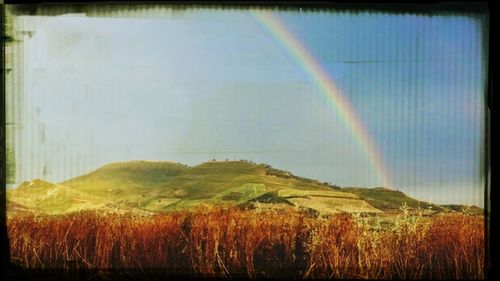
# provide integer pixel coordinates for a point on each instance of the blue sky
(205, 84)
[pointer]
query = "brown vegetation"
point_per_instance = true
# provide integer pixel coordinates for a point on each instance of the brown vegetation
(232, 242)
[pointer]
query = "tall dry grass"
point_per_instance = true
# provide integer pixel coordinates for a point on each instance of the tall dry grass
(231, 242)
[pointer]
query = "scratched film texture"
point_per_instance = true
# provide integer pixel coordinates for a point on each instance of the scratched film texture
(94, 84)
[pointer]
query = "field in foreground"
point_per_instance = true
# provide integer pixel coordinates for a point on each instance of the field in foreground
(225, 242)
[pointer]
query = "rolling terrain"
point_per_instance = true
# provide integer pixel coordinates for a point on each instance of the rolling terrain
(389, 200)
(238, 219)
(145, 187)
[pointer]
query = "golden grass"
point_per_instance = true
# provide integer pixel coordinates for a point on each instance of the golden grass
(226, 242)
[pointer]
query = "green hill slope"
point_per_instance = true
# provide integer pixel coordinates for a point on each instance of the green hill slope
(150, 187)
(389, 200)
(42, 196)
(473, 210)
(161, 186)
(164, 186)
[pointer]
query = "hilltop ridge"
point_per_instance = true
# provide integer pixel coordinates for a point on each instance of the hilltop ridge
(163, 186)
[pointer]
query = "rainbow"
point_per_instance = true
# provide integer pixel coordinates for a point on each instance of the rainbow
(327, 87)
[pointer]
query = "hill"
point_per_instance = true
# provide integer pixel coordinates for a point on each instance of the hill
(147, 187)
(467, 209)
(151, 187)
(389, 200)
(45, 197)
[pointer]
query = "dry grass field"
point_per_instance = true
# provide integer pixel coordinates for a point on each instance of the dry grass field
(231, 242)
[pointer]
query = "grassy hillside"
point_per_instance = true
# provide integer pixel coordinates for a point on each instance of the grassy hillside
(39, 195)
(152, 187)
(474, 210)
(389, 200)
(165, 186)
